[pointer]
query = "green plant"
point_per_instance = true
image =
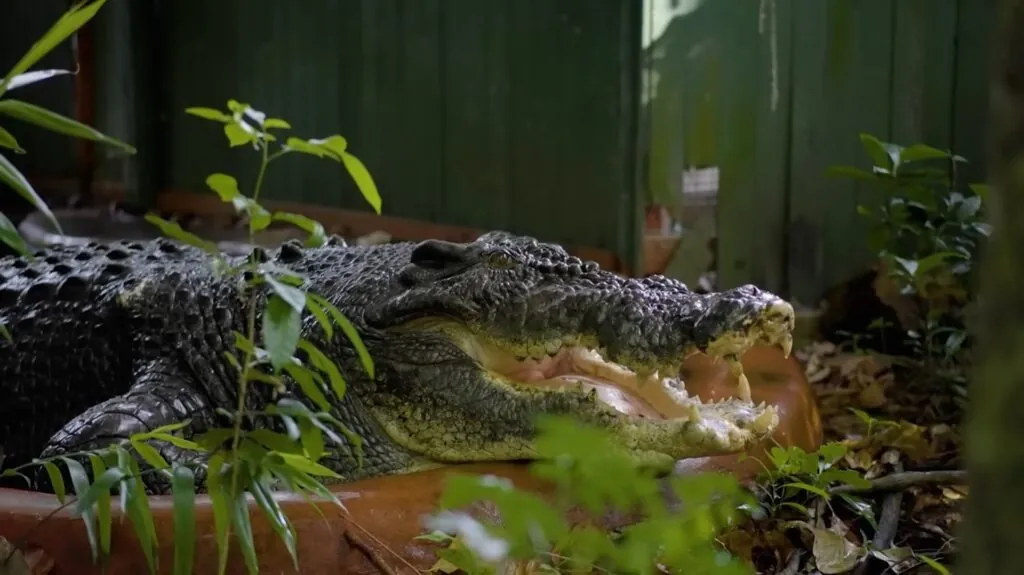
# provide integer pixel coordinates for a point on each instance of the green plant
(928, 231)
(240, 461)
(589, 472)
(18, 76)
(261, 460)
(797, 479)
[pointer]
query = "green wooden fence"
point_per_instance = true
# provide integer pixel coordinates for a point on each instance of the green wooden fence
(775, 91)
(514, 114)
(523, 114)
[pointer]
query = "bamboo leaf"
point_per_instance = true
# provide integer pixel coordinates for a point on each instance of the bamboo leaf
(278, 520)
(323, 363)
(221, 509)
(80, 482)
(13, 177)
(243, 530)
(76, 17)
(56, 480)
(183, 491)
(103, 519)
(349, 330)
(55, 122)
(33, 77)
(8, 141)
(308, 385)
(306, 465)
(150, 455)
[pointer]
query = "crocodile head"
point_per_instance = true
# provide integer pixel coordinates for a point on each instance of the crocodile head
(483, 337)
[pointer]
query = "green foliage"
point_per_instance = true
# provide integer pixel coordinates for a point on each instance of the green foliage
(927, 220)
(797, 479)
(19, 75)
(591, 473)
(929, 231)
(241, 461)
(244, 125)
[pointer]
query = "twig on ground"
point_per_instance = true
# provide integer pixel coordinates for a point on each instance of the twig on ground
(888, 522)
(357, 543)
(900, 481)
(793, 565)
(935, 530)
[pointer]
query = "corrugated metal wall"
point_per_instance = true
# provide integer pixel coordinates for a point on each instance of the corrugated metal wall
(514, 114)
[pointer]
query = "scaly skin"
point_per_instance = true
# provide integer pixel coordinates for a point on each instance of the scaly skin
(113, 340)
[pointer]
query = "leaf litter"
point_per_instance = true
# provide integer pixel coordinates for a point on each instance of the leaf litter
(898, 432)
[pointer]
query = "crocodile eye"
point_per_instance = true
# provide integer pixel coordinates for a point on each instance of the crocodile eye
(439, 255)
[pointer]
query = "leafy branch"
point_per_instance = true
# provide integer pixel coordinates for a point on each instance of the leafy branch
(240, 461)
(591, 473)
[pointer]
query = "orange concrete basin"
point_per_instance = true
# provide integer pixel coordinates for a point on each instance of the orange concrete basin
(383, 515)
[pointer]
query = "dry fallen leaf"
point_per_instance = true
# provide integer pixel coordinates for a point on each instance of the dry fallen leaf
(746, 543)
(894, 556)
(859, 458)
(952, 494)
(833, 553)
(872, 396)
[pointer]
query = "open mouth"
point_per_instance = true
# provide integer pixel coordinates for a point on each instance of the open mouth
(642, 400)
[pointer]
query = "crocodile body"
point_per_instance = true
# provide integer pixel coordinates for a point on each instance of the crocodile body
(470, 342)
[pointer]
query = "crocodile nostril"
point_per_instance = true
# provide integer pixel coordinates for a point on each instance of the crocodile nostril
(439, 255)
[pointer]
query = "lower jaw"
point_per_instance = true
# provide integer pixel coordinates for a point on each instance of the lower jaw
(656, 404)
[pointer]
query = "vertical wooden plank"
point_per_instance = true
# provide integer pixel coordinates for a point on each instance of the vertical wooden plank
(567, 168)
(476, 102)
(755, 116)
(421, 110)
(841, 86)
(924, 55)
(628, 196)
(201, 67)
(403, 79)
(974, 28)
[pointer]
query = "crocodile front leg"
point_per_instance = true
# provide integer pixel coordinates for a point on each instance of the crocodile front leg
(159, 397)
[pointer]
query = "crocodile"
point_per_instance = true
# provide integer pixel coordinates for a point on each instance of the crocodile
(470, 343)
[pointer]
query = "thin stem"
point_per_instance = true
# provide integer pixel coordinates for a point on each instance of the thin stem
(265, 148)
(243, 378)
(278, 154)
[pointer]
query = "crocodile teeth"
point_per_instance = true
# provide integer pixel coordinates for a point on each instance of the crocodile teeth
(767, 419)
(787, 344)
(745, 388)
(694, 413)
(736, 367)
